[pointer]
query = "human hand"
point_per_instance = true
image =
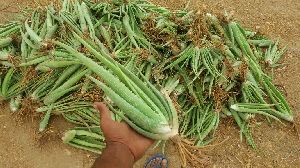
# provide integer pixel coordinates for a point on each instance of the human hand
(120, 132)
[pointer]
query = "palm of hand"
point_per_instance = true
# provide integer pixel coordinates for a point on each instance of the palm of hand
(122, 133)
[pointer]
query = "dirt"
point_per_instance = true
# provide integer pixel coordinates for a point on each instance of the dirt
(278, 145)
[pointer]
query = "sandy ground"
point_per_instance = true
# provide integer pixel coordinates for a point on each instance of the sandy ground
(278, 145)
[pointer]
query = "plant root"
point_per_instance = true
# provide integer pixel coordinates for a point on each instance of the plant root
(190, 154)
(27, 110)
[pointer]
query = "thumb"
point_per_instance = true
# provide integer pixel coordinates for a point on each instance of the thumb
(105, 116)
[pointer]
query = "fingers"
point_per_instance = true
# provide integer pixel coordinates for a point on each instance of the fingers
(105, 116)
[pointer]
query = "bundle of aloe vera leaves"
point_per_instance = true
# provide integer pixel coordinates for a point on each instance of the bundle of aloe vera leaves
(168, 74)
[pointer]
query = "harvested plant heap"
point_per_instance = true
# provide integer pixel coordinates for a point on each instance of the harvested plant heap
(171, 75)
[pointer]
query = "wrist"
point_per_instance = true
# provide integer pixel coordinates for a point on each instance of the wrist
(113, 151)
(121, 147)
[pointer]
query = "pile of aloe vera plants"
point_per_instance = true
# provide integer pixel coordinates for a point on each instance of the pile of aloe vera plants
(171, 75)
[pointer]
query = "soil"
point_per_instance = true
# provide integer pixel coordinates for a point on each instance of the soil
(278, 145)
